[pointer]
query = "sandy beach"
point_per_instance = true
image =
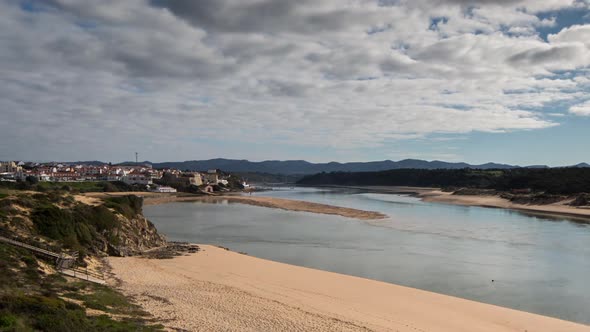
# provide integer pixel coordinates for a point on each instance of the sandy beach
(435, 195)
(555, 209)
(219, 290)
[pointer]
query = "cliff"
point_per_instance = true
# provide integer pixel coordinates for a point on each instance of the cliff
(113, 226)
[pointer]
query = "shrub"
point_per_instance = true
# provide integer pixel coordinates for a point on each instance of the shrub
(77, 227)
(129, 206)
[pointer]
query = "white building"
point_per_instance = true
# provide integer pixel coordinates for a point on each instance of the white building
(195, 178)
(10, 167)
(163, 189)
(137, 179)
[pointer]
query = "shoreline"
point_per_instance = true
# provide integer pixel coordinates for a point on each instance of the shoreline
(272, 202)
(436, 195)
(426, 194)
(216, 289)
(558, 209)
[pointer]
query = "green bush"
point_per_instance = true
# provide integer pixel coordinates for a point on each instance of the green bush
(129, 206)
(29, 300)
(45, 313)
(77, 227)
(10, 322)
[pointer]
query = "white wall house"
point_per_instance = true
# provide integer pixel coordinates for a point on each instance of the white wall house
(163, 189)
(137, 179)
(10, 167)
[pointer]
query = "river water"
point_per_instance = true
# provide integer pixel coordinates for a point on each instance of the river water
(496, 256)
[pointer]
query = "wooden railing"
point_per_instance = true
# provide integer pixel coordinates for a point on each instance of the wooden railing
(62, 261)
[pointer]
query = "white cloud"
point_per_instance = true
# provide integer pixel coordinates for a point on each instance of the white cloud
(334, 74)
(574, 34)
(582, 109)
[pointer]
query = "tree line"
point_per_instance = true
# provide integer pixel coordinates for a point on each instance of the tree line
(551, 180)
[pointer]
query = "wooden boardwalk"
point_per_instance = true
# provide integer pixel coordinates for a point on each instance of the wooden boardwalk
(64, 263)
(85, 275)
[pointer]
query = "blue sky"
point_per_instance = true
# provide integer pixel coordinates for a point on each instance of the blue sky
(327, 80)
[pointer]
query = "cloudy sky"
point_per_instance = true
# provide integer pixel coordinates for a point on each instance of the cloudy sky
(345, 80)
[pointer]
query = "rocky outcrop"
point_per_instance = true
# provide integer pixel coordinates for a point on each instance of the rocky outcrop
(135, 236)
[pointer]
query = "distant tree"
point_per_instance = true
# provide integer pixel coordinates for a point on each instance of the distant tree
(32, 179)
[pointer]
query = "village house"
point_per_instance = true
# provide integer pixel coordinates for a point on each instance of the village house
(195, 178)
(137, 178)
(64, 177)
(10, 167)
(212, 176)
(163, 189)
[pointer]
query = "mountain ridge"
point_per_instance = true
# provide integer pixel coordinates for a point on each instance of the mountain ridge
(293, 167)
(303, 167)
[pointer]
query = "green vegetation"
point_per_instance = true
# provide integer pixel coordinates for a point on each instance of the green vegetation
(252, 177)
(33, 301)
(32, 298)
(14, 259)
(106, 299)
(73, 187)
(559, 181)
(70, 224)
(234, 182)
(128, 206)
(77, 228)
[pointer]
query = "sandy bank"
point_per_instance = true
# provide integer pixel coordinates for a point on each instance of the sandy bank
(219, 290)
(435, 195)
(555, 209)
(271, 202)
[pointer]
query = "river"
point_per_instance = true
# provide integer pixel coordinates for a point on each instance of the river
(496, 256)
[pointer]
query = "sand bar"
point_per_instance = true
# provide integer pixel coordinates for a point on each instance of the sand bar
(272, 202)
(219, 290)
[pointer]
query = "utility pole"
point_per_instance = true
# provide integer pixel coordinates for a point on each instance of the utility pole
(136, 154)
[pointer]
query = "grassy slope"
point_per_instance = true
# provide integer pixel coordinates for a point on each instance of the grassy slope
(31, 300)
(75, 187)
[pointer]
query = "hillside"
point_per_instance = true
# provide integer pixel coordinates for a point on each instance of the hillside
(302, 167)
(554, 180)
(34, 296)
(292, 167)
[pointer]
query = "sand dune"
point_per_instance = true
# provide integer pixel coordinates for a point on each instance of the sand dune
(219, 290)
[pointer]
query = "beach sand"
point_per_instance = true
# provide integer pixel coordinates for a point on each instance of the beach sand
(555, 209)
(435, 195)
(219, 290)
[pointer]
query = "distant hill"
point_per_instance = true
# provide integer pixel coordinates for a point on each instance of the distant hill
(301, 167)
(90, 162)
(582, 165)
(559, 181)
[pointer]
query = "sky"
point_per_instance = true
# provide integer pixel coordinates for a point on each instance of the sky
(321, 80)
